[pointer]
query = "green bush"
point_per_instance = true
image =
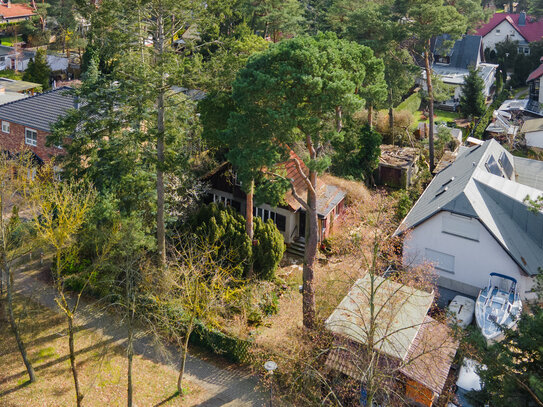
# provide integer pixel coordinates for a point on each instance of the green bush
(270, 304)
(356, 151)
(223, 229)
(403, 205)
(269, 249)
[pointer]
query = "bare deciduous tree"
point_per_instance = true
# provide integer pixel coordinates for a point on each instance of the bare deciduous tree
(60, 210)
(198, 285)
(16, 183)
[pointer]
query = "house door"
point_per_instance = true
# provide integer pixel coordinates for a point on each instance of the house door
(301, 223)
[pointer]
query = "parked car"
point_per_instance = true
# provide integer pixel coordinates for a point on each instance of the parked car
(461, 310)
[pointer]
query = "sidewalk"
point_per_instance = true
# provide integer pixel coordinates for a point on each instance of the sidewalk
(225, 387)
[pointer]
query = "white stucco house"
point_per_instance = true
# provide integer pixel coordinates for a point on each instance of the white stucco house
(532, 130)
(515, 27)
(472, 220)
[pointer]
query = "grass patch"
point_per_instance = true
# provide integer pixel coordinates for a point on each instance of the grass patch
(412, 103)
(8, 73)
(43, 355)
(102, 367)
(441, 116)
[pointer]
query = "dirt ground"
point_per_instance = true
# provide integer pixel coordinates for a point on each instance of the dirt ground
(102, 366)
(334, 274)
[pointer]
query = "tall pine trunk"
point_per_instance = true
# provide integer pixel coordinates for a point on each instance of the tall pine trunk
(160, 228)
(73, 364)
(430, 104)
(13, 323)
(249, 219)
(311, 245)
(370, 116)
(184, 357)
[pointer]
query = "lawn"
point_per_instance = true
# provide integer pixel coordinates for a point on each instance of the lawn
(441, 116)
(10, 74)
(102, 367)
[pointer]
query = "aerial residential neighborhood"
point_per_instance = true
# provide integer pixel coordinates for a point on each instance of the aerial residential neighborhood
(287, 203)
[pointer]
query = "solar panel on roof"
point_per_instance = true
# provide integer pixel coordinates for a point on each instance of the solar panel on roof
(493, 167)
(506, 165)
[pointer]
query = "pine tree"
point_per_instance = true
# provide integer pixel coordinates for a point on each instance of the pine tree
(472, 101)
(38, 71)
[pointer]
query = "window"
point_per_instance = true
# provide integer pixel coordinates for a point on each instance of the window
(441, 261)
(265, 214)
(31, 137)
(281, 222)
(5, 126)
(222, 199)
(497, 31)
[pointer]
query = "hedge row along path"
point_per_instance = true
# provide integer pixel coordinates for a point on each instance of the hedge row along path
(223, 387)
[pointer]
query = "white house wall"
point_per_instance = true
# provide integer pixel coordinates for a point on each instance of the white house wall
(473, 260)
(534, 139)
(500, 33)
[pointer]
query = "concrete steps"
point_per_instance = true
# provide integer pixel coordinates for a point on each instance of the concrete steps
(297, 248)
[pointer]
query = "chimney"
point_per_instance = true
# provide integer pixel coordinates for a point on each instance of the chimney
(522, 19)
(9, 3)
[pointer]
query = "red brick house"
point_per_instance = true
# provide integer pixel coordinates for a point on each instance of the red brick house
(26, 123)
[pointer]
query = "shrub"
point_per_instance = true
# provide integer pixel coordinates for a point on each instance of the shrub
(403, 205)
(269, 250)
(224, 229)
(270, 304)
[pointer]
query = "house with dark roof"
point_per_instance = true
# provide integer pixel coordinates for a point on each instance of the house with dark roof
(26, 123)
(473, 220)
(511, 26)
(452, 61)
(289, 216)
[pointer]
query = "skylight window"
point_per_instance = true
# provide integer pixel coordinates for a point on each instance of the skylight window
(493, 167)
(506, 165)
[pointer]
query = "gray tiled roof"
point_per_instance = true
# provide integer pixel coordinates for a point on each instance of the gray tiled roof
(464, 53)
(39, 111)
(467, 188)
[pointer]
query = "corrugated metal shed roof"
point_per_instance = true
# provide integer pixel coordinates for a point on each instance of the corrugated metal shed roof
(39, 111)
(532, 125)
(468, 188)
(401, 309)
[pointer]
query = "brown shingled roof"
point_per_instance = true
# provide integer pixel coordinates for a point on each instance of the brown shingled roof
(430, 355)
